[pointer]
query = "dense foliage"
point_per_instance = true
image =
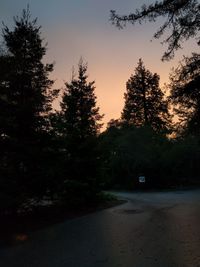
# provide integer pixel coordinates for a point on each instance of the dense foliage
(25, 97)
(79, 128)
(185, 94)
(129, 152)
(80, 114)
(144, 101)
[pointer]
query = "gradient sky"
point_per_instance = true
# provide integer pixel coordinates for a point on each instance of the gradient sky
(75, 28)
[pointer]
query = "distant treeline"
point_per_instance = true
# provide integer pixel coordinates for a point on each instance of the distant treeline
(63, 155)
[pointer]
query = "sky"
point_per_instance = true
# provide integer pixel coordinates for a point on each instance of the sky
(81, 28)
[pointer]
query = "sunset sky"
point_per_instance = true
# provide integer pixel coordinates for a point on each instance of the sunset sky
(75, 28)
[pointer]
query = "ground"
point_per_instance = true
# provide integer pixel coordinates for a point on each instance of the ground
(14, 228)
(151, 229)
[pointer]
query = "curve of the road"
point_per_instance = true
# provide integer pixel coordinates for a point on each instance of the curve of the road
(151, 229)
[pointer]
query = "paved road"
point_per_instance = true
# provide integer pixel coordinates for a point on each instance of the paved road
(151, 229)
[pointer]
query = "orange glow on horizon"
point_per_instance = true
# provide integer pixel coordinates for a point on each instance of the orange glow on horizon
(110, 87)
(82, 28)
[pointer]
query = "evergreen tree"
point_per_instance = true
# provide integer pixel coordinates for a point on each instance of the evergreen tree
(185, 94)
(182, 21)
(81, 125)
(80, 114)
(144, 101)
(25, 98)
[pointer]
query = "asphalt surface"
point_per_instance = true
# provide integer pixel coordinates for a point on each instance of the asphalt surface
(151, 229)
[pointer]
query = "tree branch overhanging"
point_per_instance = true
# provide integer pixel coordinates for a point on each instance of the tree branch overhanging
(182, 20)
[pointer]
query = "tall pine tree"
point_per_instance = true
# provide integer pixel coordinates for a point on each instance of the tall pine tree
(144, 101)
(80, 113)
(25, 97)
(81, 125)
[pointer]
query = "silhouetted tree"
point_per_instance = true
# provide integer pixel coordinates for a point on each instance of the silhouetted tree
(80, 113)
(144, 101)
(81, 124)
(182, 21)
(115, 124)
(185, 93)
(25, 97)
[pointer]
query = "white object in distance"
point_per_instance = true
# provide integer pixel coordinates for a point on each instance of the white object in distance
(141, 179)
